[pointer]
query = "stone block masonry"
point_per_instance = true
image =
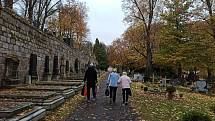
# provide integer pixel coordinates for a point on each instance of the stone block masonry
(23, 50)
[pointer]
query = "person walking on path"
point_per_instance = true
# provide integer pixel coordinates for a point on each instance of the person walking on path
(90, 79)
(113, 84)
(125, 82)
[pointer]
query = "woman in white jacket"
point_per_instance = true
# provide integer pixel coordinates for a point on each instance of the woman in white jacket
(125, 82)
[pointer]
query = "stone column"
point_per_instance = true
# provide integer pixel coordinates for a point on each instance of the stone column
(62, 68)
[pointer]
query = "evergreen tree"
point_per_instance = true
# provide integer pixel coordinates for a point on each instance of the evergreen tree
(100, 52)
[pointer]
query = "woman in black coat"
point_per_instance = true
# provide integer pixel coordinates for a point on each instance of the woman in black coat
(90, 79)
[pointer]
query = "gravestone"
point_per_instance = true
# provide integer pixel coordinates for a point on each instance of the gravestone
(201, 86)
(67, 66)
(47, 75)
(138, 77)
(76, 65)
(33, 68)
(163, 82)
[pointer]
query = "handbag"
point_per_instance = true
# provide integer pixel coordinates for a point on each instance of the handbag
(129, 92)
(107, 91)
(84, 91)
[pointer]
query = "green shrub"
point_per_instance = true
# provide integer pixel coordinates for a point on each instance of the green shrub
(170, 89)
(195, 116)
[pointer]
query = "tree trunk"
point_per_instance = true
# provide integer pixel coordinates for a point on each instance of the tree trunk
(148, 62)
(30, 11)
(210, 11)
(47, 3)
(179, 71)
(39, 14)
(209, 70)
(26, 8)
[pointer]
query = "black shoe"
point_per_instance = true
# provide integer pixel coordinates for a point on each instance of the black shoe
(94, 99)
(126, 103)
(110, 101)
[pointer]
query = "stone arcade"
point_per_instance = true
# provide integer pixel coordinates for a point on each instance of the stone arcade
(28, 55)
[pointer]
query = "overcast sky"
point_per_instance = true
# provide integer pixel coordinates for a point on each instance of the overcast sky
(105, 20)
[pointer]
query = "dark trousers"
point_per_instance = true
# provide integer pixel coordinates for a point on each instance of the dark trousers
(125, 94)
(113, 93)
(93, 91)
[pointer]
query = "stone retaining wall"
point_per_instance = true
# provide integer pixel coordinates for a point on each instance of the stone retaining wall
(18, 40)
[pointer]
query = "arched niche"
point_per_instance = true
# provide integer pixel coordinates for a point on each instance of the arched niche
(11, 67)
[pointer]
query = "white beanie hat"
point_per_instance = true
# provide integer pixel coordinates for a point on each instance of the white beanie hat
(124, 73)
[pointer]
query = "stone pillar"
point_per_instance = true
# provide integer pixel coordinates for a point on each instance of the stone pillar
(62, 68)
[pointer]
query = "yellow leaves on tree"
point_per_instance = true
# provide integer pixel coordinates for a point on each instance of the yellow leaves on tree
(71, 22)
(117, 53)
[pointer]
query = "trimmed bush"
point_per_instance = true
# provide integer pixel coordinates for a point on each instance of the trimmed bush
(170, 89)
(195, 116)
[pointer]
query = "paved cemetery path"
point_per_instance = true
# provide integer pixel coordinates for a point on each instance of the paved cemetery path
(102, 110)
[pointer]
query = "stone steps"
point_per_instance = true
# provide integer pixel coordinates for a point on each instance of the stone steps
(48, 100)
(36, 114)
(20, 111)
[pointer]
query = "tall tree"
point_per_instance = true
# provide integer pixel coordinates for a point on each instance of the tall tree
(208, 15)
(71, 22)
(175, 34)
(100, 52)
(143, 11)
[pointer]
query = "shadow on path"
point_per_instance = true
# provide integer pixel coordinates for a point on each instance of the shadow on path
(102, 110)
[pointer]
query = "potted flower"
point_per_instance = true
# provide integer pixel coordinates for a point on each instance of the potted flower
(170, 91)
(180, 95)
(145, 89)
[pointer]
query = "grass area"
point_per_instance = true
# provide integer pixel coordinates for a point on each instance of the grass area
(61, 113)
(156, 107)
